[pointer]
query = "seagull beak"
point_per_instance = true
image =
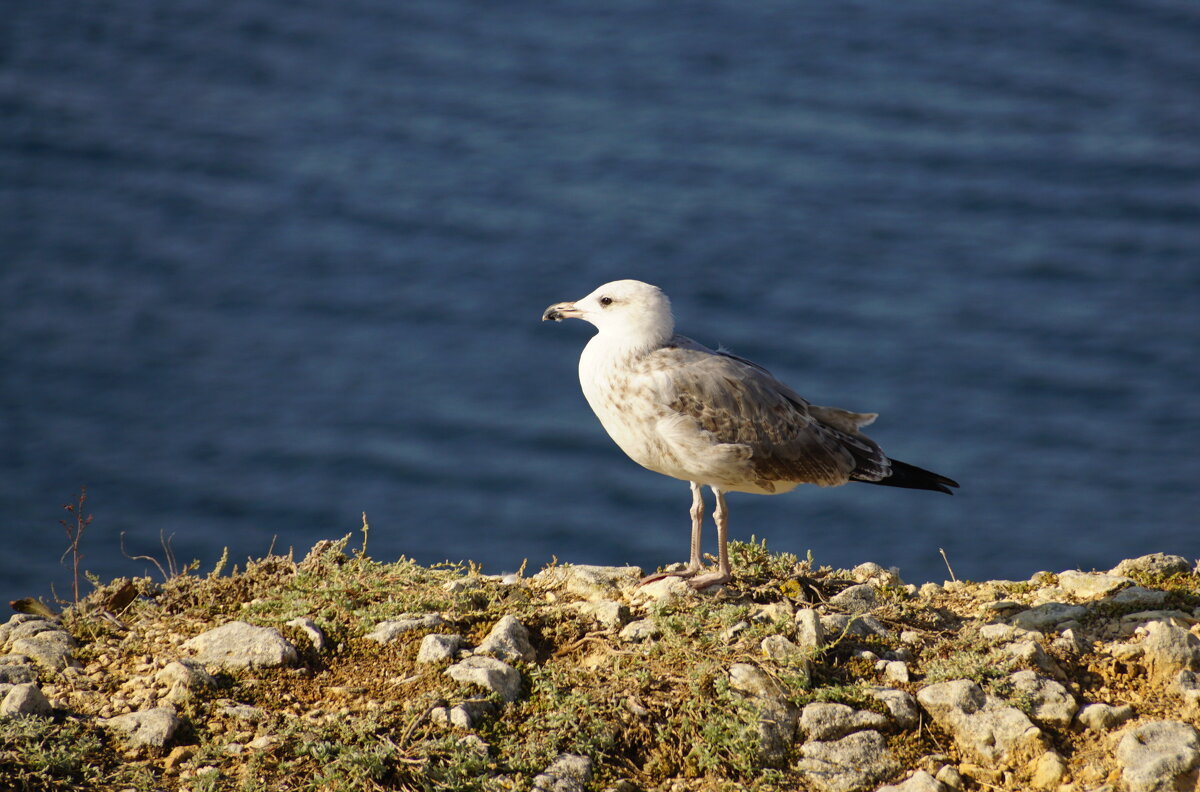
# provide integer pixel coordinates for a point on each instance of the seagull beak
(560, 311)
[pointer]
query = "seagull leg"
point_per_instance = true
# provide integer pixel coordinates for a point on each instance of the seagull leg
(722, 575)
(697, 513)
(694, 563)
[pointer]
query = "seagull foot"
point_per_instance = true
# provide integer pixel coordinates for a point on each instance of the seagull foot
(683, 573)
(711, 579)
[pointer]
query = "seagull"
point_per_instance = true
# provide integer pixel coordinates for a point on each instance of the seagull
(714, 419)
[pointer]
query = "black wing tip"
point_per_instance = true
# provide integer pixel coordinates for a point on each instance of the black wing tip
(944, 484)
(909, 476)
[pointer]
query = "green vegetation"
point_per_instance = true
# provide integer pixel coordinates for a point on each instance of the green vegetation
(977, 663)
(38, 754)
(659, 713)
(646, 712)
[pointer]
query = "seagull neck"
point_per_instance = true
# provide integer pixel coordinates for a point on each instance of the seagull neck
(626, 345)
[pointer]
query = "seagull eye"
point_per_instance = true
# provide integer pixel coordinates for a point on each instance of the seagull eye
(606, 301)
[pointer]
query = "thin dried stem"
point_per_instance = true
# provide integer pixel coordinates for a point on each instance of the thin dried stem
(948, 567)
(151, 559)
(366, 530)
(74, 529)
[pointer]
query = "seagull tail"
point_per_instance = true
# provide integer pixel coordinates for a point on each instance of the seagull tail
(912, 477)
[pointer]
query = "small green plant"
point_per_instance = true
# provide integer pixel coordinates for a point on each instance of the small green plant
(978, 666)
(208, 781)
(712, 730)
(850, 694)
(571, 717)
(755, 563)
(219, 567)
(38, 754)
(342, 756)
(455, 764)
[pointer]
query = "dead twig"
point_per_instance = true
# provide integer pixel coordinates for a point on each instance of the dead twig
(171, 570)
(948, 567)
(75, 528)
(366, 531)
(413, 724)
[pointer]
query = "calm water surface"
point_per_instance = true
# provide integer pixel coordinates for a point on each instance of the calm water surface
(268, 265)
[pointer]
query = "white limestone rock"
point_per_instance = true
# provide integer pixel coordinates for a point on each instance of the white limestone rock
(24, 699)
(315, 634)
(50, 648)
(17, 673)
(1138, 597)
(984, 727)
(1154, 564)
(1160, 756)
(809, 632)
(240, 645)
(567, 773)
(1103, 717)
(858, 761)
(609, 614)
(1168, 649)
(640, 631)
(829, 721)
(490, 674)
(508, 641)
(437, 647)
(1052, 704)
(900, 705)
(589, 582)
(776, 716)
(151, 728)
(1048, 616)
(187, 674)
(784, 652)
(387, 631)
(668, 589)
(920, 781)
(861, 598)
(1090, 585)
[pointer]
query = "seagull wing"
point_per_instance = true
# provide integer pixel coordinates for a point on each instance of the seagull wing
(736, 403)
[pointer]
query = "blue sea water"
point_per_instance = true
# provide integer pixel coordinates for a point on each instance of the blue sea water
(267, 265)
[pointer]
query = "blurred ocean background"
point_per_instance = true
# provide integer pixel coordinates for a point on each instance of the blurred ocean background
(266, 265)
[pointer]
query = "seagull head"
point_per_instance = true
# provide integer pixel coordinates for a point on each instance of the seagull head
(626, 309)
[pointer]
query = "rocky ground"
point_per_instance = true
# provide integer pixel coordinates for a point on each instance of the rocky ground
(341, 673)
